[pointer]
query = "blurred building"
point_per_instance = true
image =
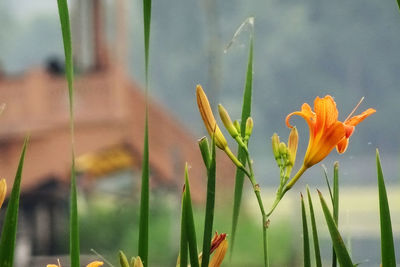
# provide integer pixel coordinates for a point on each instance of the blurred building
(109, 131)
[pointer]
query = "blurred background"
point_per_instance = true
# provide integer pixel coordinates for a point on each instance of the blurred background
(303, 49)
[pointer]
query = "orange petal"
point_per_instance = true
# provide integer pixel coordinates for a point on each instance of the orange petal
(306, 113)
(219, 254)
(95, 264)
(319, 149)
(342, 145)
(326, 112)
(353, 121)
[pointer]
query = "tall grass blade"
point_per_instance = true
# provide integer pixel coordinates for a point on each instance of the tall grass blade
(183, 254)
(144, 201)
(69, 72)
(9, 232)
(205, 151)
(146, 23)
(210, 202)
(306, 241)
(327, 182)
(335, 204)
(342, 254)
(143, 246)
(246, 112)
(387, 244)
(190, 228)
(318, 261)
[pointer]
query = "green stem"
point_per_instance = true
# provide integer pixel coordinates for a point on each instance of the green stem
(264, 217)
(294, 179)
(282, 190)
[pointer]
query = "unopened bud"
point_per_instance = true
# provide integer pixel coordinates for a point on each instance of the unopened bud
(136, 262)
(282, 149)
(249, 127)
(237, 125)
(292, 145)
(208, 118)
(123, 260)
(275, 146)
(226, 120)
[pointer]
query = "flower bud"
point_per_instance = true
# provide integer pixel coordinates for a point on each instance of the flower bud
(136, 262)
(226, 120)
(292, 145)
(283, 151)
(237, 125)
(249, 127)
(123, 260)
(208, 118)
(275, 146)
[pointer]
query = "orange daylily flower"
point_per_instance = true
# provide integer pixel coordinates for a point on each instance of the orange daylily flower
(92, 264)
(326, 132)
(219, 245)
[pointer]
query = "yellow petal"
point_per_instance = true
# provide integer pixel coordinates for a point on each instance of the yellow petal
(3, 191)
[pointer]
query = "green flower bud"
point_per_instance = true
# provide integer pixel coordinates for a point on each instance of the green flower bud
(227, 121)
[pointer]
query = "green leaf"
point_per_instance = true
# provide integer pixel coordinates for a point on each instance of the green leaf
(210, 202)
(342, 254)
(69, 67)
(190, 228)
(66, 36)
(306, 241)
(246, 112)
(205, 151)
(74, 220)
(146, 23)
(143, 246)
(8, 234)
(183, 255)
(327, 181)
(314, 231)
(335, 204)
(398, 3)
(387, 245)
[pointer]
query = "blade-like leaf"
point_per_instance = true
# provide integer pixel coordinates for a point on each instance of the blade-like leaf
(342, 254)
(317, 252)
(146, 23)
(143, 246)
(335, 204)
(327, 181)
(8, 234)
(69, 67)
(190, 228)
(387, 245)
(210, 202)
(306, 241)
(246, 112)
(205, 151)
(183, 255)
(144, 201)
